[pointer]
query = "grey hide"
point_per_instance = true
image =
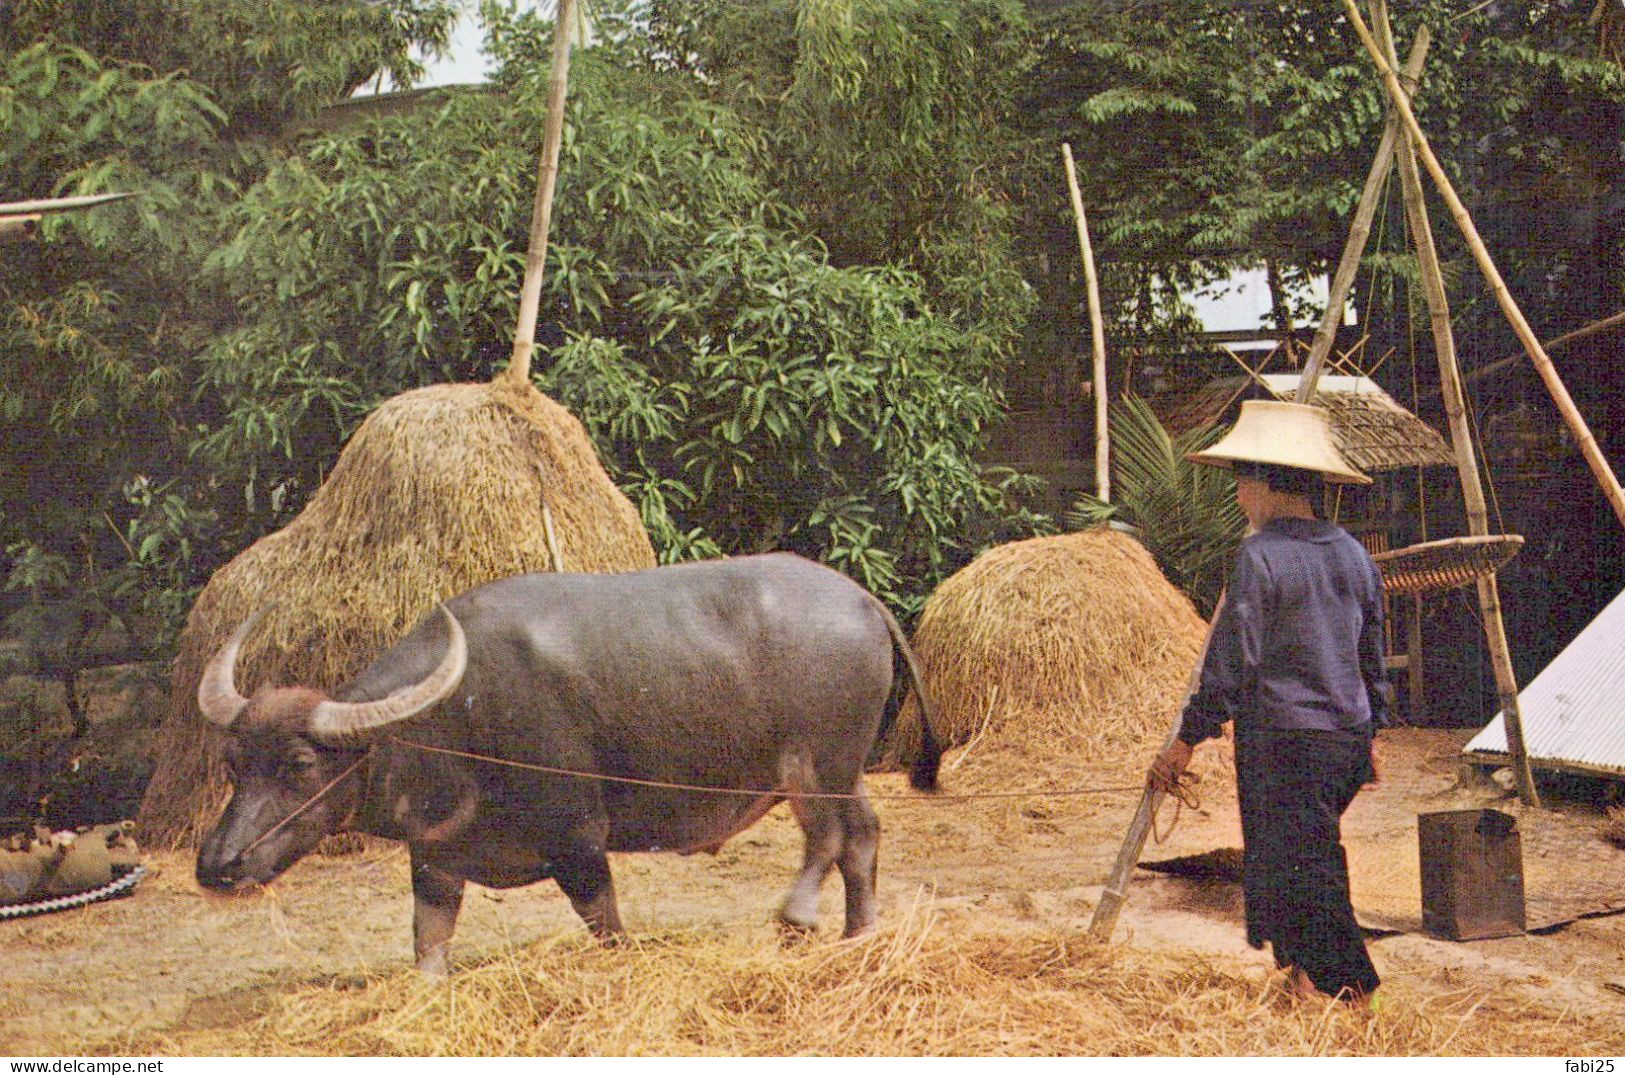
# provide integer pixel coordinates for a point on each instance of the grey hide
(763, 672)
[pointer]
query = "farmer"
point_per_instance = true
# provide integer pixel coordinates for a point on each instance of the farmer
(1296, 661)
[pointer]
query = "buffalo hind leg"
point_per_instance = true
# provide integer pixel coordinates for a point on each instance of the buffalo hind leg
(582, 871)
(860, 846)
(821, 825)
(437, 896)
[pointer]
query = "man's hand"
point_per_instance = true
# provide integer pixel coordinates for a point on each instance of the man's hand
(1170, 765)
(1376, 763)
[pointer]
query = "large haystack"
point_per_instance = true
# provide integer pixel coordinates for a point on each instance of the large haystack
(439, 490)
(1072, 647)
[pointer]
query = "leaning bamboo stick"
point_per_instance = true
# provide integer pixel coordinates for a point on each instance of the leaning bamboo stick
(1594, 457)
(541, 219)
(61, 205)
(1461, 439)
(1097, 328)
(1359, 234)
(1115, 894)
(1607, 324)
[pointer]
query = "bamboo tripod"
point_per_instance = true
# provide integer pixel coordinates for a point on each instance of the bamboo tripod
(1403, 140)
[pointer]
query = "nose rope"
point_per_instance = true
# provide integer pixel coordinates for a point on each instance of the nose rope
(302, 807)
(1186, 794)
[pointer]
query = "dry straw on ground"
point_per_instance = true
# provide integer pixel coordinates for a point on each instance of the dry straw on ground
(926, 986)
(1073, 646)
(439, 490)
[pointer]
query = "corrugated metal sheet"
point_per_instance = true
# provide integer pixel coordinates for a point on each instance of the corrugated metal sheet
(1574, 710)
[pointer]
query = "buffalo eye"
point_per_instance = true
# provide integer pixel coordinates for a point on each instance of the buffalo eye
(295, 767)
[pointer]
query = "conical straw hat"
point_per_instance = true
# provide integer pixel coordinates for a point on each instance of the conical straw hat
(1285, 434)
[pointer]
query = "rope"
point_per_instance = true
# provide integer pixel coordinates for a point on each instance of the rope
(306, 805)
(1184, 794)
(1489, 475)
(759, 792)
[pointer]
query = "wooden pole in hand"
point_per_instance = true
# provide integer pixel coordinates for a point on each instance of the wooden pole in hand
(1526, 336)
(1115, 894)
(541, 217)
(1359, 232)
(1461, 439)
(1097, 329)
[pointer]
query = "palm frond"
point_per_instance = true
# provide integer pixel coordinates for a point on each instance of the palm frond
(1186, 513)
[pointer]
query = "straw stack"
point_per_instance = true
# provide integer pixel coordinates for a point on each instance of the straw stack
(439, 490)
(1074, 646)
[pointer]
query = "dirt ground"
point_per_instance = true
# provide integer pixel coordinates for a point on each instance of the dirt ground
(170, 959)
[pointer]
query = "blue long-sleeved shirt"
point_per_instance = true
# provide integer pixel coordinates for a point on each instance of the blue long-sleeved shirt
(1299, 643)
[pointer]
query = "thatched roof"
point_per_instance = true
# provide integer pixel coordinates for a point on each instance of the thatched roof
(1371, 428)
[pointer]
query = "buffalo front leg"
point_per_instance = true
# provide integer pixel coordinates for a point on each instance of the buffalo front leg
(437, 896)
(582, 871)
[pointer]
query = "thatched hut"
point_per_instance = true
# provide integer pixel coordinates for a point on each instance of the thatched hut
(1074, 645)
(439, 490)
(1370, 427)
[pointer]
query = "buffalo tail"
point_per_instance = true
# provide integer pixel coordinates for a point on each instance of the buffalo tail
(923, 775)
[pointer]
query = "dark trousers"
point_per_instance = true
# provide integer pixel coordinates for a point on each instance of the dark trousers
(1293, 787)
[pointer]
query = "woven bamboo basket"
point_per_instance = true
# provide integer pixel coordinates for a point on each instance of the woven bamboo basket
(1445, 564)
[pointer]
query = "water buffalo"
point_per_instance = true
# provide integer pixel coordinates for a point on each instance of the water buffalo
(761, 672)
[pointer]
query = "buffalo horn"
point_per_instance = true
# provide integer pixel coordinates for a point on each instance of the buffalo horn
(217, 697)
(340, 723)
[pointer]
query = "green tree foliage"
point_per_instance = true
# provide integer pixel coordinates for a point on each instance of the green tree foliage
(748, 393)
(786, 282)
(888, 125)
(263, 64)
(95, 331)
(102, 321)
(1213, 135)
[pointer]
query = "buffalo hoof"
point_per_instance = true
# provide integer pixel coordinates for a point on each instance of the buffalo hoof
(434, 964)
(795, 931)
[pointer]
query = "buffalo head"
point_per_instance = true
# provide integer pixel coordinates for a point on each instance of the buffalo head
(288, 744)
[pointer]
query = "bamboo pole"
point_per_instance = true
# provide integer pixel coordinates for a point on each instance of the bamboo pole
(541, 218)
(1461, 439)
(1607, 324)
(1598, 463)
(1359, 234)
(61, 205)
(1115, 893)
(19, 227)
(1097, 328)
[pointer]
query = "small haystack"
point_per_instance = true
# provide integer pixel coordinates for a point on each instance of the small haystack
(1070, 647)
(439, 490)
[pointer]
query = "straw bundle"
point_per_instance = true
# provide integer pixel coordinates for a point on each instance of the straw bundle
(1074, 646)
(439, 490)
(933, 985)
